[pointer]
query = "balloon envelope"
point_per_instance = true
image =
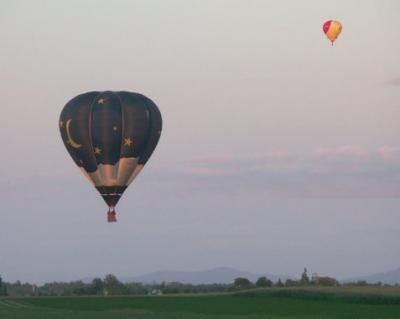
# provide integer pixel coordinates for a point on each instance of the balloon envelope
(110, 136)
(332, 29)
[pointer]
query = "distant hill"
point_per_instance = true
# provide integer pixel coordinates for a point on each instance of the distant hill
(388, 277)
(215, 275)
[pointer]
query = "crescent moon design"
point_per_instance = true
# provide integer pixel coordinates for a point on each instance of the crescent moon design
(70, 140)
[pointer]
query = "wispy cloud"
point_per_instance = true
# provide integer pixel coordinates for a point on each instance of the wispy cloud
(343, 171)
(389, 153)
(345, 151)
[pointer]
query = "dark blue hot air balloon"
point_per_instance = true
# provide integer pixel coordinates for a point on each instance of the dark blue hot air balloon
(110, 136)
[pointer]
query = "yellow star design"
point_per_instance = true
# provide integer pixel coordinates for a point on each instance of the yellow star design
(101, 101)
(127, 141)
(97, 150)
(61, 124)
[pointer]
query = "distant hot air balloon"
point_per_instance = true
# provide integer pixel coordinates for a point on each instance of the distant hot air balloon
(332, 29)
(110, 136)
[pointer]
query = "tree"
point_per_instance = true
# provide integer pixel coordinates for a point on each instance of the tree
(279, 283)
(97, 286)
(305, 280)
(291, 283)
(241, 283)
(263, 282)
(3, 287)
(326, 281)
(113, 286)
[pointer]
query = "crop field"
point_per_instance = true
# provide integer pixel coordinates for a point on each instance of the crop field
(379, 303)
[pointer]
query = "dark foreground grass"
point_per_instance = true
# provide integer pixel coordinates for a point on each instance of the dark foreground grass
(273, 303)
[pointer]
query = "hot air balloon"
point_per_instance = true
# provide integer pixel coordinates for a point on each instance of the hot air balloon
(110, 136)
(332, 29)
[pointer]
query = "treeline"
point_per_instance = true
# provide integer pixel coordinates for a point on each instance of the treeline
(110, 285)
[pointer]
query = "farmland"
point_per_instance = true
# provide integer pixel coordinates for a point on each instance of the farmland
(354, 302)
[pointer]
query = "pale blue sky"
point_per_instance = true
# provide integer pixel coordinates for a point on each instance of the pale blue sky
(278, 150)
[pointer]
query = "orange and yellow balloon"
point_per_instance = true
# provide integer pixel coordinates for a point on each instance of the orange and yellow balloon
(332, 29)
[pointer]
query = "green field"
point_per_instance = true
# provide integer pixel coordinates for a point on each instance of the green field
(379, 303)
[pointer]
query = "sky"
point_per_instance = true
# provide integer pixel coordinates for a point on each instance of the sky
(278, 151)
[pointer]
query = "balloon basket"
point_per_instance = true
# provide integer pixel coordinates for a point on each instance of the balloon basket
(111, 216)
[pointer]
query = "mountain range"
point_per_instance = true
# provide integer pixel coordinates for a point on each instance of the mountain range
(388, 277)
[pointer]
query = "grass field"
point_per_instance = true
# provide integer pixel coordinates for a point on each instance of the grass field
(365, 303)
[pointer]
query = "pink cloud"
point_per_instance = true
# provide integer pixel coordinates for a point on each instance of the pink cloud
(345, 159)
(389, 153)
(343, 151)
(351, 171)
